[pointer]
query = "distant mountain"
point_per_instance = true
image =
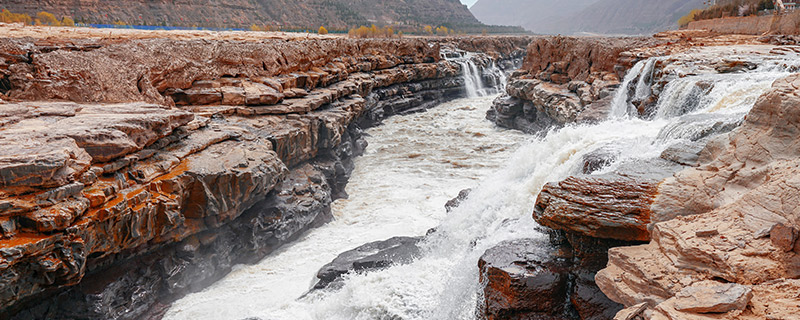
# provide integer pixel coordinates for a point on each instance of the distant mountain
(539, 16)
(592, 16)
(631, 16)
(243, 13)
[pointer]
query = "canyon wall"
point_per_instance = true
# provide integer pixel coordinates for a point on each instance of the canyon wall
(565, 80)
(701, 231)
(135, 171)
(788, 24)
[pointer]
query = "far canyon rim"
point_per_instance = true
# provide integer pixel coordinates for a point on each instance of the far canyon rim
(187, 174)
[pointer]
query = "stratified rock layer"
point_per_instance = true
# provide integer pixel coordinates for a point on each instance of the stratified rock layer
(725, 230)
(176, 159)
(565, 80)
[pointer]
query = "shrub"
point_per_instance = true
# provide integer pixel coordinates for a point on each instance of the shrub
(9, 17)
(689, 17)
(67, 22)
(371, 32)
(46, 18)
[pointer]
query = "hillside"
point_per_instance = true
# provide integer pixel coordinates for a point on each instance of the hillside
(593, 16)
(243, 13)
(631, 16)
(540, 16)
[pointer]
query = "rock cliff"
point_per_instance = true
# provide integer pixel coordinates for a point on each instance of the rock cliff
(565, 80)
(724, 240)
(135, 171)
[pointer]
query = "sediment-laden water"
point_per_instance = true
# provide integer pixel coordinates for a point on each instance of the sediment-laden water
(415, 163)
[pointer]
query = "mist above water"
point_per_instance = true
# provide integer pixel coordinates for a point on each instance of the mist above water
(415, 163)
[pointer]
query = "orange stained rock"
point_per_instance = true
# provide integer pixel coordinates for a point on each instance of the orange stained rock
(21, 239)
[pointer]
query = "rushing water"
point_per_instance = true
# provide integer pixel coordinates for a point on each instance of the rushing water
(417, 162)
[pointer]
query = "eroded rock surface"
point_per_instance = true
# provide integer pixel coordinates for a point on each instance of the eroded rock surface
(564, 80)
(724, 223)
(177, 159)
(369, 256)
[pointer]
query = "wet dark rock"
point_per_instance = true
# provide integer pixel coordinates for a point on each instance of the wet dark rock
(587, 299)
(525, 279)
(514, 113)
(370, 256)
(598, 159)
(455, 202)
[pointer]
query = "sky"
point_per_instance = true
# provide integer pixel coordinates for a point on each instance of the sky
(469, 3)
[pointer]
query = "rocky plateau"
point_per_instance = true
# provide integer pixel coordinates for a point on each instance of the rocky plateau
(702, 232)
(137, 170)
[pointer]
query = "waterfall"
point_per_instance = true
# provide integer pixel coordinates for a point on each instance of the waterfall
(642, 73)
(472, 78)
(444, 282)
(479, 80)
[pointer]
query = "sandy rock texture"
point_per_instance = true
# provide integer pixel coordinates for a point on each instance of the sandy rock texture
(725, 230)
(155, 165)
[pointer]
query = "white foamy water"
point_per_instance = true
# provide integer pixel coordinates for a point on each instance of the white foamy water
(414, 164)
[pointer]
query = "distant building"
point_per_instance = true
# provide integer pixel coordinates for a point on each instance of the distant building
(785, 5)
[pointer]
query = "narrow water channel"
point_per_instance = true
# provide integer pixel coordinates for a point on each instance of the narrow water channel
(413, 165)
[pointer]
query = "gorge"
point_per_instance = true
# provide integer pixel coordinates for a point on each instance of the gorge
(207, 176)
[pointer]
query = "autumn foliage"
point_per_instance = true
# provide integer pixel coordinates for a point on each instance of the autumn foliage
(41, 19)
(371, 32)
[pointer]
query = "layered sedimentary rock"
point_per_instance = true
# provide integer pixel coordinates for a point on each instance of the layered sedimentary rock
(175, 160)
(545, 279)
(596, 212)
(724, 237)
(565, 80)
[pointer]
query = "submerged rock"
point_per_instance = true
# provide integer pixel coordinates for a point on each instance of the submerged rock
(455, 202)
(370, 256)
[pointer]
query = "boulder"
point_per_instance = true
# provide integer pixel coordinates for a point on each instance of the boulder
(525, 279)
(723, 230)
(370, 256)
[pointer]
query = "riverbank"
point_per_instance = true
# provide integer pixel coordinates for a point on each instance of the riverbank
(137, 170)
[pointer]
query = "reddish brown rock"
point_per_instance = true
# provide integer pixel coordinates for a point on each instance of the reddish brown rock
(101, 203)
(741, 190)
(526, 279)
(603, 207)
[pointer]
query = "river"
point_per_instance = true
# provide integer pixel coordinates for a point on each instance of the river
(415, 163)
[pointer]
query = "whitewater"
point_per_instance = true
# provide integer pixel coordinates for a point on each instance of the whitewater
(415, 163)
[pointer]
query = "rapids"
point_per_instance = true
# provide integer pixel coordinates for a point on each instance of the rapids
(415, 163)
